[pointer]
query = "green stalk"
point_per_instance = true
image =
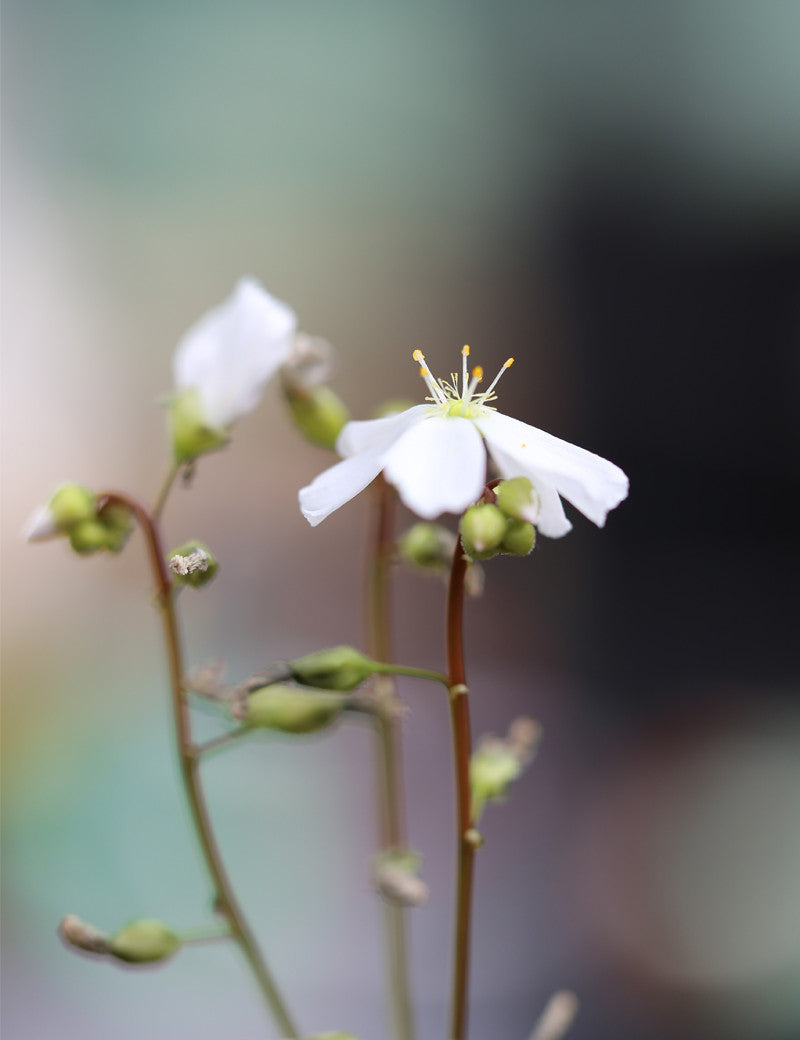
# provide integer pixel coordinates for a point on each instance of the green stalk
(388, 764)
(225, 901)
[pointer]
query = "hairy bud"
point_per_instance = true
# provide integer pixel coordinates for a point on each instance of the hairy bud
(193, 564)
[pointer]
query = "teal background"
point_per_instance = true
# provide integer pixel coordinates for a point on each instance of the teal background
(403, 176)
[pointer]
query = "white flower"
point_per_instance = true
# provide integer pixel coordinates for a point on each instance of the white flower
(436, 455)
(231, 352)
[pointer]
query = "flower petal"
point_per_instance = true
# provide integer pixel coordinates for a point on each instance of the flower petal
(338, 484)
(40, 526)
(592, 484)
(231, 352)
(437, 466)
(369, 434)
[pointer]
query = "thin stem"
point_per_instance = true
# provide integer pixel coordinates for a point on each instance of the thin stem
(222, 741)
(415, 673)
(164, 490)
(388, 765)
(202, 935)
(465, 834)
(225, 901)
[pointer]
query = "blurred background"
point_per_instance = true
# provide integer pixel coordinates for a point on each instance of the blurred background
(609, 191)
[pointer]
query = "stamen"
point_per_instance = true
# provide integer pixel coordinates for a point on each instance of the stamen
(477, 376)
(436, 391)
(464, 356)
(503, 367)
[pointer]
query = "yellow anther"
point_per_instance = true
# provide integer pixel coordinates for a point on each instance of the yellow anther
(465, 350)
(418, 355)
(424, 372)
(477, 373)
(509, 363)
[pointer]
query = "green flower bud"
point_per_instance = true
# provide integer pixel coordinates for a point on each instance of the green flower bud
(482, 530)
(520, 538)
(143, 942)
(193, 564)
(497, 761)
(70, 504)
(318, 413)
(428, 546)
(191, 436)
(89, 536)
(515, 497)
(341, 668)
(118, 523)
(290, 710)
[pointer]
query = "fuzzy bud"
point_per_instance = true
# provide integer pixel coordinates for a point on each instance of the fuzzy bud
(340, 668)
(396, 876)
(318, 413)
(497, 761)
(193, 564)
(483, 528)
(70, 504)
(290, 710)
(191, 434)
(517, 498)
(520, 538)
(106, 531)
(427, 546)
(143, 941)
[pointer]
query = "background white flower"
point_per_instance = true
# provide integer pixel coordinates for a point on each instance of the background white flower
(230, 353)
(436, 456)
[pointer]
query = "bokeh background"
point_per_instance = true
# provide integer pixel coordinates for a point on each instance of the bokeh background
(609, 191)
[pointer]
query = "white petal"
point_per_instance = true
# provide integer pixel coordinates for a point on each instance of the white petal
(372, 434)
(40, 526)
(438, 466)
(231, 352)
(337, 485)
(592, 484)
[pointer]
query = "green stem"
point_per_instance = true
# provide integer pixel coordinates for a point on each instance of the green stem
(382, 668)
(164, 490)
(223, 740)
(465, 833)
(225, 901)
(391, 820)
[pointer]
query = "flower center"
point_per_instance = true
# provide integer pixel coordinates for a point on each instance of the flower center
(446, 396)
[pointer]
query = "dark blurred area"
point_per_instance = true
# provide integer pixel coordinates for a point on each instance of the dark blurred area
(609, 191)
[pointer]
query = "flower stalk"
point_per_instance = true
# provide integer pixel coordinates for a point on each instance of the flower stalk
(225, 901)
(467, 838)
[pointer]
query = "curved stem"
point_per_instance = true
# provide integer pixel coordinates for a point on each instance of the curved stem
(465, 834)
(225, 900)
(391, 821)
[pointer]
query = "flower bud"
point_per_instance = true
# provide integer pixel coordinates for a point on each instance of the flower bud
(83, 936)
(318, 413)
(191, 434)
(143, 941)
(517, 498)
(482, 530)
(427, 546)
(193, 564)
(69, 505)
(520, 538)
(396, 876)
(89, 536)
(290, 710)
(341, 668)
(118, 522)
(497, 761)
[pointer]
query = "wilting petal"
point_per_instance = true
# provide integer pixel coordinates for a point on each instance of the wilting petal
(233, 350)
(437, 466)
(337, 485)
(378, 434)
(592, 484)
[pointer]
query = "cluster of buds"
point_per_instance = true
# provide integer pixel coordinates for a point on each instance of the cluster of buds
(143, 941)
(428, 547)
(87, 522)
(497, 761)
(501, 526)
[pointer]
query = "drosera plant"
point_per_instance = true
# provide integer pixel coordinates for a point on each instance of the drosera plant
(455, 453)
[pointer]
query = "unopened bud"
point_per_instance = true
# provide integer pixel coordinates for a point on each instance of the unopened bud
(83, 936)
(191, 435)
(341, 668)
(482, 530)
(106, 531)
(497, 761)
(290, 710)
(396, 876)
(193, 564)
(517, 498)
(318, 413)
(143, 942)
(69, 505)
(427, 546)
(520, 538)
